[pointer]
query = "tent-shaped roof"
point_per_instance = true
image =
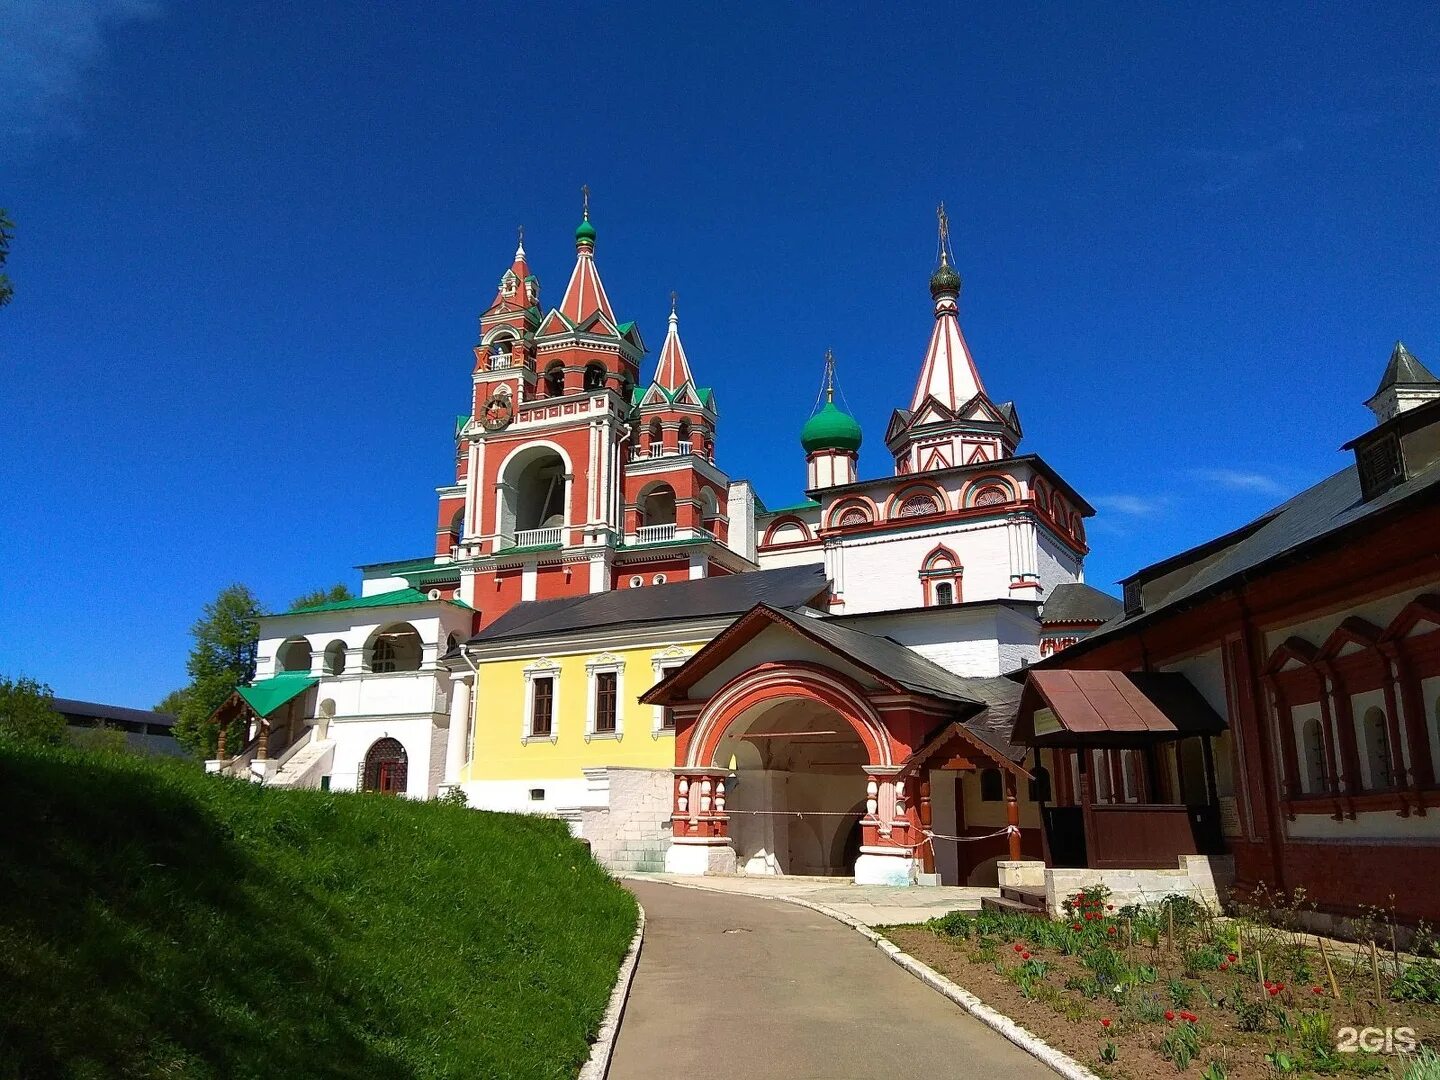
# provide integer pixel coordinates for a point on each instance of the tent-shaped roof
(267, 695)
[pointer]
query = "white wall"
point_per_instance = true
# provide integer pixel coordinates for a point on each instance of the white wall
(423, 739)
(883, 572)
(975, 642)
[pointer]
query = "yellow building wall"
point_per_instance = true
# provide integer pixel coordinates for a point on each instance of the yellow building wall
(498, 715)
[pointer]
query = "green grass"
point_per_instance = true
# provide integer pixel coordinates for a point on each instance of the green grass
(155, 922)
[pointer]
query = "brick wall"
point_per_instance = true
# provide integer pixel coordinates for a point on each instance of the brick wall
(633, 832)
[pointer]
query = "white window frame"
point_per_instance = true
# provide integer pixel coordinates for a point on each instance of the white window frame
(662, 663)
(542, 668)
(593, 667)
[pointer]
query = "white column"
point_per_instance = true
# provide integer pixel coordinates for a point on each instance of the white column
(472, 488)
(459, 726)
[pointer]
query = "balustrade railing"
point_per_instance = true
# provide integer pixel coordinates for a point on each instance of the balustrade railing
(655, 534)
(539, 537)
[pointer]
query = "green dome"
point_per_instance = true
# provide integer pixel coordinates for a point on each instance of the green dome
(830, 429)
(944, 280)
(586, 232)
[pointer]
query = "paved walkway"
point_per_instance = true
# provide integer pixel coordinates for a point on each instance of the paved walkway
(873, 905)
(736, 986)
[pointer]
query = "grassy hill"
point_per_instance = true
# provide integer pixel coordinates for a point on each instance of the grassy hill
(155, 922)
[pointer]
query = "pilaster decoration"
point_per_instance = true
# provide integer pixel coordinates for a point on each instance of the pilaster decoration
(605, 664)
(542, 668)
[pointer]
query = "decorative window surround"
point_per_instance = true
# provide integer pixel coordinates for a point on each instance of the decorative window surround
(542, 668)
(616, 666)
(662, 663)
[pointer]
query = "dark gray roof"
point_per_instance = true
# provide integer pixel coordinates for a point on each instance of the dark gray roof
(994, 723)
(93, 710)
(1076, 602)
(711, 597)
(1317, 514)
(905, 666)
(1404, 369)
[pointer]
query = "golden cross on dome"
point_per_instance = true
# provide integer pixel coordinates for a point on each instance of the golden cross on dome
(944, 234)
(585, 194)
(829, 375)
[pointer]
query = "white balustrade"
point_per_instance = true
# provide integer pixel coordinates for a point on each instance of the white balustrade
(655, 534)
(538, 537)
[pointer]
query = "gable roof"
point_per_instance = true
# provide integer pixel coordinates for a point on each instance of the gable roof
(892, 664)
(1077, 602)
(710, 597)
(1320, 514)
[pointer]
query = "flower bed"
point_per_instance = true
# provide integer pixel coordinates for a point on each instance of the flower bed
(1172, 990)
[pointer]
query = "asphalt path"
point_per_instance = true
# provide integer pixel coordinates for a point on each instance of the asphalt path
(737, 986)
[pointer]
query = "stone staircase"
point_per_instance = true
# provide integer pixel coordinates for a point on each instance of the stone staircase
(304, 768)
(1018, 899)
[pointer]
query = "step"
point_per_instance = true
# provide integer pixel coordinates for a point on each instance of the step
(1004, 903)
(1034, 895)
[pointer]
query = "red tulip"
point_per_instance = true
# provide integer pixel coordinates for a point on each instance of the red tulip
(1224, 964)
(1105, 1023)
(1024, 956)
(1018, 948)
(1075, 926)
(1232, 958)
(1317, 989)
(1112, 931)
(1109, 907)
(1274, 990)
(1169, 1014)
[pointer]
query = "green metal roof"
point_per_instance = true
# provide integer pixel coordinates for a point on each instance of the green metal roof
(808, 504)
(585, 231)
(399, 566)
(394, 598)
(267, 695)
(830, 429)
(460, 422)
(626, 327)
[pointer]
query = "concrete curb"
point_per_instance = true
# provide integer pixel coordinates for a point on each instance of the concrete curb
(998, 1022)
(597, 1067)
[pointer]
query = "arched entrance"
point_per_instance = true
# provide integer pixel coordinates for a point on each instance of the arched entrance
(387, 767)
(789, 769)
(796, 786)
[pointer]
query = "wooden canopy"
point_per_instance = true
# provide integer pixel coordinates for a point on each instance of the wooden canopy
(1111, 708)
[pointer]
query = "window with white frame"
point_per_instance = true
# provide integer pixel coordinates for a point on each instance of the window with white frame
(604, 713)
(1375, 750)
(1312, 757)
(663, 663)
(542, 695)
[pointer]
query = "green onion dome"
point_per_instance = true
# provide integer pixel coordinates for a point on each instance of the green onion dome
(830, 429)
(945, 281)
(585, 233)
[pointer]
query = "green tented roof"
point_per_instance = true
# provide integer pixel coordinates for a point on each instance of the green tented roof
(394, 598)
(267, 695)
(626, 327)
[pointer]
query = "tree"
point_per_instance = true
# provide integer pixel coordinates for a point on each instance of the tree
(173, 702)
(222, 658)
(27, 713)
(7, 233)
(336, 592)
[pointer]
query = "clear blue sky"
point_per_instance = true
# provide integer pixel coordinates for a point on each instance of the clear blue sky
(253, 240)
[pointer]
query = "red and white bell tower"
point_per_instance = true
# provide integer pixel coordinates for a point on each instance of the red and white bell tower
(569, 479)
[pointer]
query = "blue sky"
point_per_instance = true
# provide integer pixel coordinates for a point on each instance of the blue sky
(253, 240)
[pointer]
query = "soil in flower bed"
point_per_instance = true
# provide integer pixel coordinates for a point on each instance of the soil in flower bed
(1134, 994)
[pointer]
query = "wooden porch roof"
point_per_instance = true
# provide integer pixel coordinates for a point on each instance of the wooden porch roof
(1099, 708)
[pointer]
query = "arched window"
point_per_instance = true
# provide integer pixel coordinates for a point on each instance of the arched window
(684, 437)
(918, 505)
(1375, 750)
(940, 576)
(335, 658)
(991, 495)
(387, 768)
(1039, 790)
(555, 379)
(657, 438)
(294, 655)
(1312, 757)
(533, 491)
(992, 788)
(658, 507)
(501, 354)
(594, 377)
(852, 515)
(457, 526)
(944, 594)
(396, 648)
